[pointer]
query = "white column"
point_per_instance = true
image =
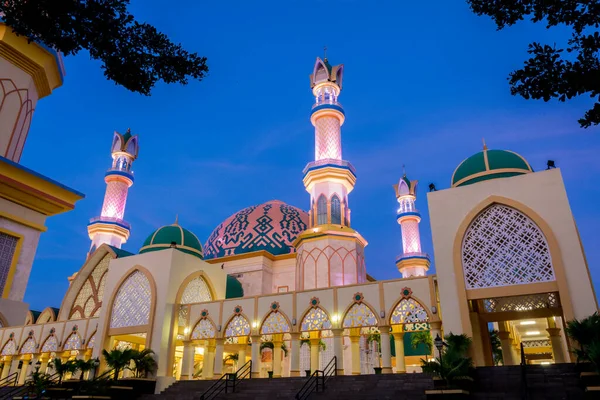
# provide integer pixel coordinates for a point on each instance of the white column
(205, 362)
(5, 369)
(23, 372)
(355, 345)
(241, 355)
(295, 358)
(210, 358)
(187, 361)
(277, 342)
(219, 357)
(255, 356)
(386, 351)
(506, 344)
(338, 349)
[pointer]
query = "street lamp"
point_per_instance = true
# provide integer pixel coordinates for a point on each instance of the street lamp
(96, 363)
(439, 344)
(38, 364)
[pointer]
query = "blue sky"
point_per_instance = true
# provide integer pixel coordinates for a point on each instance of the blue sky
(424, 83)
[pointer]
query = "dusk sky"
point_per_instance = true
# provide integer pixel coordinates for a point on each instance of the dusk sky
(424, 82)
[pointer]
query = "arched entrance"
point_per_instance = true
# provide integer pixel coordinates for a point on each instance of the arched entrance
(513, 280)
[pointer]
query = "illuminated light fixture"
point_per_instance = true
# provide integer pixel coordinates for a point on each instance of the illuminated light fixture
(315, 230)
(186, 330)
(335, 318)
(545, 363)
(255, 324)
(527, 323)
(531, 333)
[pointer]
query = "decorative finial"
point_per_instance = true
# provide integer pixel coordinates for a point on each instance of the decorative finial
(176, 219)
(403, 171)
(128, 130)
(325, 53)
(484, 145)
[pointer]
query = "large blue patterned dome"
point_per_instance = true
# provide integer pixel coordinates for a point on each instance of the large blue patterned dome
(272, 226)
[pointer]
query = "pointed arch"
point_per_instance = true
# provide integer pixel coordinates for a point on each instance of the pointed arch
(315, 319)
(275, 322)
(89, 297)
(319, 69)
(133, 301)
(195, 288)
(360, 314)
(73, 342)
(504, 247)
(321, 210)
(237, 325)
(50, 344)
(204, 329)
(91, 342)
(48, 315)
(409, 310)
(28, 346)
(9, 348)
(3, 321)
(336, 210)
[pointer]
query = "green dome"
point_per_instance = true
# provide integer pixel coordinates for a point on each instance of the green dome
(489, 164)
(233, 288)
(173, 236)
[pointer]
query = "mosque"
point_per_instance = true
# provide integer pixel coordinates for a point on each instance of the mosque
(281, 286)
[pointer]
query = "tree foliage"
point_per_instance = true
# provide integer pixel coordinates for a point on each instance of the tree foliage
(586, 333)
(554, 72)
(454, 364)
(133, 54)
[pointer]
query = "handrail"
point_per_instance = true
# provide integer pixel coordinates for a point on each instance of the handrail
(223, 382)
(10, 379)
(524, 388)
(317, 380)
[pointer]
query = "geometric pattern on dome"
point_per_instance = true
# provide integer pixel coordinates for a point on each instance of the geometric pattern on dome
(502, 247)
(73, 342)
(89, 298)
(359, 315)
(238, 326)
(196, 291)
(132, 302)
(28, 347)
(51, 344)
(9, 348)
(522, 303)
(409, 311)
(275, 323)
(315, 320)
(271, 227)
(204, 329)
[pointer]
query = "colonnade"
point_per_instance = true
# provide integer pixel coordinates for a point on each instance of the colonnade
(214, 349)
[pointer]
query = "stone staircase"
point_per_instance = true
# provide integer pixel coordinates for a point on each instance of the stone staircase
(551, 382)
(544, 382)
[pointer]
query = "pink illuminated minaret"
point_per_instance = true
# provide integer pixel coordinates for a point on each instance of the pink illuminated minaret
(412, 262)
(109, 227)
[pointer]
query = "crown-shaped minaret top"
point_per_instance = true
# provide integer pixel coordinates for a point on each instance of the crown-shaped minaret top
(324, 73)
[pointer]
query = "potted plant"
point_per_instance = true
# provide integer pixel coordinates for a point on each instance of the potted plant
(270, 374)
(118, 360)
(586, 335)
(307, 372)
(62, 368)
(144, 362)
(453, 368)
(37, 384)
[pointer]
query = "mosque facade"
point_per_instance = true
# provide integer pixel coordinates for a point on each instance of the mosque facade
(281, 286)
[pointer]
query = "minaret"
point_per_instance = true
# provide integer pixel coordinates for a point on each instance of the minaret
(109, 227)
(330, 253)
(412, 262)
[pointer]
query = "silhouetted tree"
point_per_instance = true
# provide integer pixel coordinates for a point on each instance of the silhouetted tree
(554, 72)
(133, 54)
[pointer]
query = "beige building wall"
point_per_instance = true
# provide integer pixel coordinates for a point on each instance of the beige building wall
(27, 224)
(541, 196)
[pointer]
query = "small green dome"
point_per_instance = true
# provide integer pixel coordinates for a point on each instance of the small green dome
(233, 288)
(489, 164)
(173, 236)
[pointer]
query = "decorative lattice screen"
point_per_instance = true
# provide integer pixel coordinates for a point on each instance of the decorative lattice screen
(502, 247)
(132, 302)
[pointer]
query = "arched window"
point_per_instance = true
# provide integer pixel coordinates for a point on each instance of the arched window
(315, 320)
(28, 347)
(408, 311)
(132, 302)
(51, 344)
(73, 342)
(275, 323)
(89, 299)
(204, 329)
(359, 315)
(322, 210)
(238, 326)
(196, 291)
(9, 348)
(336, 210)
(502, 247)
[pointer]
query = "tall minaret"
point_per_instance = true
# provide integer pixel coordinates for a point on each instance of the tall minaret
(109, 227)
(330, 253)
(412, 262)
